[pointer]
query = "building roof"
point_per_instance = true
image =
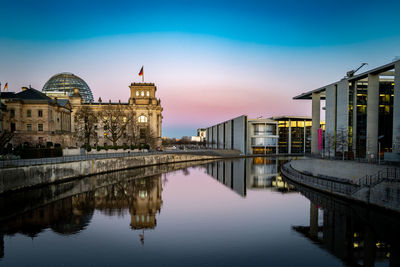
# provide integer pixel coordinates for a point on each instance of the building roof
(379, 70)
(282, 118)
(31, 94)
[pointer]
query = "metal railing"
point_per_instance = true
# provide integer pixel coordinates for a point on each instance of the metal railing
(65, 159)
(324, 183)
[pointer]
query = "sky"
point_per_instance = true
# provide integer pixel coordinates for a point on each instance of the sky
(210, 60)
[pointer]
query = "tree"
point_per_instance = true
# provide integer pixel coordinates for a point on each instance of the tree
(115, 120)
(85, 125)
(329, 143)
(342, 141)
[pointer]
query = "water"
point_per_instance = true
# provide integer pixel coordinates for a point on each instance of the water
(227, 213)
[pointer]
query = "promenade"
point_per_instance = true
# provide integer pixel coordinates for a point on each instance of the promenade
(372, 184)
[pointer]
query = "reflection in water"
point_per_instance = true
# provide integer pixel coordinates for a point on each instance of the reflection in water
(250, 173)
(141, 197)
(356, 234)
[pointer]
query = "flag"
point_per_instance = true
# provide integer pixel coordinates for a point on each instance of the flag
(141, 72)
(5, 87)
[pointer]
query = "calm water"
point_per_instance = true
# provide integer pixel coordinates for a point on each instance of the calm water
(227, 213)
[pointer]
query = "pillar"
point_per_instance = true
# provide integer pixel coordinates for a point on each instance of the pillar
(313, 220)
(316, 108)
(304, 137)
(277, 139)
(396, 109)
(372, 115)
(290, 137)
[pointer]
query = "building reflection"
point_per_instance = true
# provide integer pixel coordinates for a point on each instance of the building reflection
(142, 198)
(253, 173)
(358, 235)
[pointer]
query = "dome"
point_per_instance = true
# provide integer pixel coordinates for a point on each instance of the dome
(65, 83)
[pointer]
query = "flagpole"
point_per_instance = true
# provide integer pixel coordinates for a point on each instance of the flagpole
(143, 75)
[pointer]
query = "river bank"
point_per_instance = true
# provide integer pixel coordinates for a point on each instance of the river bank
(22, 177)
(367, 183)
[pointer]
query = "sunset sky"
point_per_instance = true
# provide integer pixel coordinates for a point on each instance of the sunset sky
(210, 60)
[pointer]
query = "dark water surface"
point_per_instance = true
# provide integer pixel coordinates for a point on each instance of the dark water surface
(227, 213)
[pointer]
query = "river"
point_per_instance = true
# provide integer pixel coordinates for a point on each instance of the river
(226, 213)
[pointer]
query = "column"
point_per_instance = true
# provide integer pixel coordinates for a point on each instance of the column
(372, 116)
(396, 109)
(290, 137)
(277, 139)
(316, 108)
(313, 220)
(304, 137)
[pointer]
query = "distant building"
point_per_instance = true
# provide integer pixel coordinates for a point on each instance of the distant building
(202, 133)
(250, 136)
(34, 118)
(362, 114)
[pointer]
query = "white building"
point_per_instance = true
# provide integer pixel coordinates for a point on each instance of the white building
(250, 136)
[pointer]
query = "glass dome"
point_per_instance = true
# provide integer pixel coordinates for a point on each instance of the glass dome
(66, 83)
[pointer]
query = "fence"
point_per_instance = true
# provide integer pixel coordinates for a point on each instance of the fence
(30, 162)
(325, 183)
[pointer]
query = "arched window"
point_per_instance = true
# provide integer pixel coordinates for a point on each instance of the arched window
(137, 93)
(142, 118)
(142, 93)
(147, 93)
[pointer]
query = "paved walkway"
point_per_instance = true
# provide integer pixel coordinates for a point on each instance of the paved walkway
(335, 168)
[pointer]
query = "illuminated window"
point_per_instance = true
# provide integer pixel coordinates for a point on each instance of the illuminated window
(142, 118)
(147, 93)
(142, 194)
(137, 93)
(142, 93)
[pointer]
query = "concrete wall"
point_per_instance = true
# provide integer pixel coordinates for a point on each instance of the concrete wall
(221, 136)
(228, 134)
(342, 107)
(239, 137)
(330, 119)
(215, 136)
(25, 177)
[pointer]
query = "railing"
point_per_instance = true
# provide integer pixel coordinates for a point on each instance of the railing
(65, 159)
(326, 183)
(389, 174)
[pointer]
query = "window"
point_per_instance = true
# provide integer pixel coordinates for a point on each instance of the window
(40, 127)
(137, 93)
(12, 113)
(29, 113)
(142, 118)
(40, 113)
(142, 93)
(142, 133)
(12, 126)
(29, 127)
(147, 93)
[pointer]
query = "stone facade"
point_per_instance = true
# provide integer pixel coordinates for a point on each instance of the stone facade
(34, 118)
(142, 113)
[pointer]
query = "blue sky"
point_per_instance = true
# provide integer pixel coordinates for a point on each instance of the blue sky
(211, 60)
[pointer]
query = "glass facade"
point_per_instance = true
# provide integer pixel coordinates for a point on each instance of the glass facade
(361, 105)
(300, 135)
(67, 82)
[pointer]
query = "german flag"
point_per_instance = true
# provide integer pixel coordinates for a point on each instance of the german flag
(141, 72)
(5, 87)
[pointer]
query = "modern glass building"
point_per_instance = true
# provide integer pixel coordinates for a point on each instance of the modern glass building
(65, 83)
(362, 114)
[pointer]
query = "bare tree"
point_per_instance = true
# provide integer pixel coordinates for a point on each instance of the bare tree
(147, 135)
(342, 141)
(85, 125)
(115, 120)
(329, 143)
